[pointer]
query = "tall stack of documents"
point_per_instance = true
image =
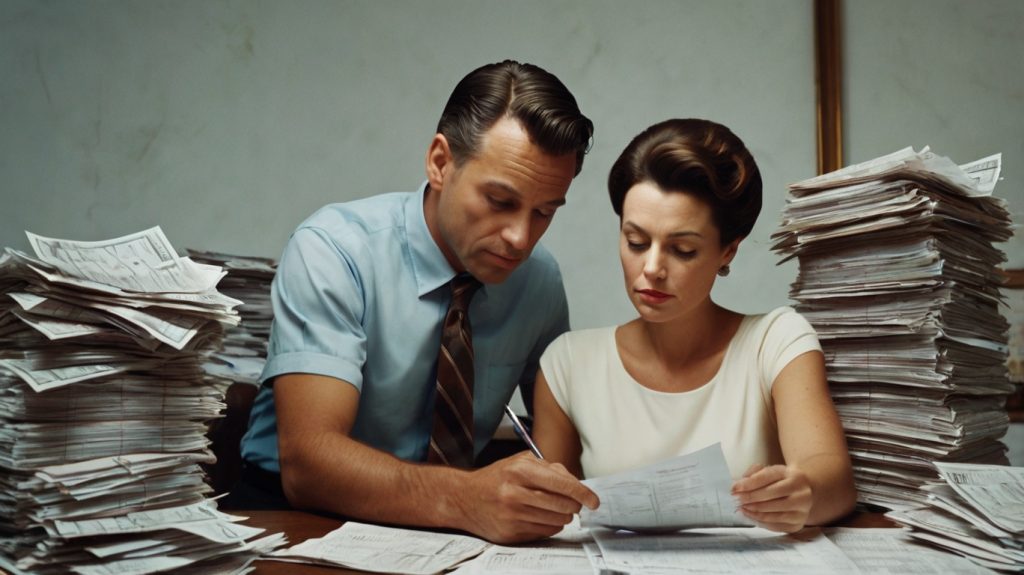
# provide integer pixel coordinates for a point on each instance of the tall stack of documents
(103, 407)
(976, 511)
(244, 351)
(898, 276)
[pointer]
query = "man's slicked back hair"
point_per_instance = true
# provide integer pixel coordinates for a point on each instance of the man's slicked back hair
(535, 98)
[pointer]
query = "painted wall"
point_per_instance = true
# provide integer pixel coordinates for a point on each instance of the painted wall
(227, 123)
(944, 73)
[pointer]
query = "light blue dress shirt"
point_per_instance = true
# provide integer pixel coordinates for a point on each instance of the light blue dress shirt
(360, 295)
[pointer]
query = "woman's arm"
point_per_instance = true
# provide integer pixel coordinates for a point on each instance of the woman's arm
(553, 431)
(816, 484)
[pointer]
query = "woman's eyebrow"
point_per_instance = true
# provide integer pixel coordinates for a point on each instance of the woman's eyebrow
(633, 226)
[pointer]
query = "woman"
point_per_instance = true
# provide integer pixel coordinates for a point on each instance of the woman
(687, 372)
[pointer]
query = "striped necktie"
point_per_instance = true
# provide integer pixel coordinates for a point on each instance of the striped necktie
(451, 440)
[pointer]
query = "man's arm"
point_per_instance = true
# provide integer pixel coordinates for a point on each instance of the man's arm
(516, 499)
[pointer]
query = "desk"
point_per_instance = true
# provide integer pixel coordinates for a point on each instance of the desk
(299, 526)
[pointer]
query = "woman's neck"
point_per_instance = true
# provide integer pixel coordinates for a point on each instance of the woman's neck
(692, 338)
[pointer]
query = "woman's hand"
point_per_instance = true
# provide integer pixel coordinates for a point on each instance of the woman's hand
(778, 497)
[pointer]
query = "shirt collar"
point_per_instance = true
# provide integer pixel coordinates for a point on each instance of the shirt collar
(429, 265)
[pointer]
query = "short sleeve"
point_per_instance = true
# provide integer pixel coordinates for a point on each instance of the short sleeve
(556, 363)
(787, 335)
(318, 300)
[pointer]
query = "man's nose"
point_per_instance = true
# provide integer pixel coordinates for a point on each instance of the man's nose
(517, 233)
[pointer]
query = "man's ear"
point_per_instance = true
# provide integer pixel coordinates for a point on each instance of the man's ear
(439, 162)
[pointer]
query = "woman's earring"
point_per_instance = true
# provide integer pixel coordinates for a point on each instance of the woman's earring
(724, 270)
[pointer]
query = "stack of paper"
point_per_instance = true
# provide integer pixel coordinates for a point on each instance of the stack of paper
(898, 276)
(103, 407)
(244, 352)
(976, 511)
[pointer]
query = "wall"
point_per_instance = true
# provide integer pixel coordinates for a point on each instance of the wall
(944, 73)
(227, 123)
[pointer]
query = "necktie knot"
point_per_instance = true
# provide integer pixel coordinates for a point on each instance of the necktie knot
(463, 288)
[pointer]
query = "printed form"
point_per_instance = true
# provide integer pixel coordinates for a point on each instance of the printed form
(385, 549)
(688, 491)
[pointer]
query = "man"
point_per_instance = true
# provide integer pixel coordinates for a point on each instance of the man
(374, 368)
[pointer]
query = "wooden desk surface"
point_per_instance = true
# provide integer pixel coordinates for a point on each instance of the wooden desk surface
(299, 526)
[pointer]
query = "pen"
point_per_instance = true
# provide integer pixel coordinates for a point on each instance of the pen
(521, 432)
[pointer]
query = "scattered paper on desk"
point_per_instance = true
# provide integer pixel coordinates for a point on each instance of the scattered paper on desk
(886, 551)
(560, 554)
(976, 511)
(722, 550)
(996, 491)
(687, 491)
(563, 560)
(385, 549)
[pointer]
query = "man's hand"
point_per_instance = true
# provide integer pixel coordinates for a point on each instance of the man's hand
(777, 497)
(522, 498)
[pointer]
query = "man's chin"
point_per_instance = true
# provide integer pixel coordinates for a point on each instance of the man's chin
(491, 275)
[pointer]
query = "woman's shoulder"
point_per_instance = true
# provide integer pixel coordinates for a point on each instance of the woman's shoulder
(781, 320)
(587, 338)
(577, 352)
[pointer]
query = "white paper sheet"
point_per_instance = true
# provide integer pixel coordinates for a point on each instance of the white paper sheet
(723, 550)
(385, 549)
(688, 491)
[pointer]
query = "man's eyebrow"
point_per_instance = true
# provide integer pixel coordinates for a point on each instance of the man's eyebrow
(514, 192)
(503, 187)
(635, 227)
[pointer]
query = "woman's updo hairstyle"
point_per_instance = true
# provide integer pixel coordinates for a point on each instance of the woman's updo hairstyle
(695, 157)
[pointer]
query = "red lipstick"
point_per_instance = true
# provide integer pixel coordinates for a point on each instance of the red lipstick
(653, 296)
